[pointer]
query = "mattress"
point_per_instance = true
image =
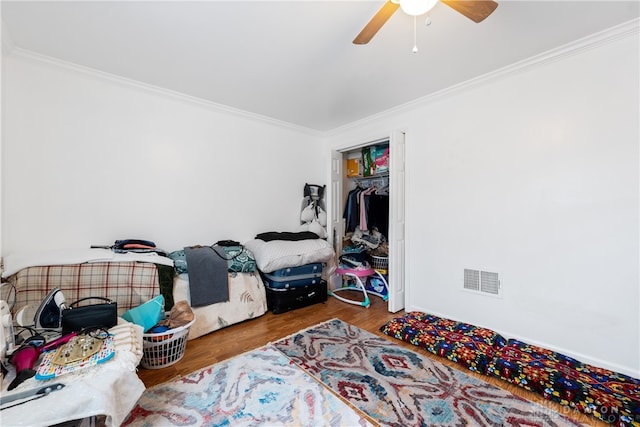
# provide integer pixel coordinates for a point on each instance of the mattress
(247, 300)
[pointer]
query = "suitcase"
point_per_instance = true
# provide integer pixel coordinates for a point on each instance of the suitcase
(292, 277)
(283, 300)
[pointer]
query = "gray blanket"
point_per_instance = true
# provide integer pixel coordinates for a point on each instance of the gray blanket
(208, 279)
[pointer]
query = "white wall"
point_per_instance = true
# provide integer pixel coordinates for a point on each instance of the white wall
(6, 46)
(534, 175)
(88, 160)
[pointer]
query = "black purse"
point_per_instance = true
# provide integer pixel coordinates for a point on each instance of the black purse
(103, 315)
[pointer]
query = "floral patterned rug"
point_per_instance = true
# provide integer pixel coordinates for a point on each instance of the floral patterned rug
(397, 387)
(261, 387)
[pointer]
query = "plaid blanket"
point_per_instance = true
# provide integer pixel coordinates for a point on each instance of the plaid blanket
(128, 283)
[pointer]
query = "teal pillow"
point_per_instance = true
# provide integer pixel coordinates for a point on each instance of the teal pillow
(148, 314)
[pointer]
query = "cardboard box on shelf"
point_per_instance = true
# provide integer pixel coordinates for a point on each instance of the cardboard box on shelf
(354, 167)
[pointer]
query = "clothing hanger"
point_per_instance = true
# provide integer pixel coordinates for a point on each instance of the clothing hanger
(383, 191)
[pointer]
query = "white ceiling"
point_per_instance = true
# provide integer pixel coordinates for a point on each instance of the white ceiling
(293, 60)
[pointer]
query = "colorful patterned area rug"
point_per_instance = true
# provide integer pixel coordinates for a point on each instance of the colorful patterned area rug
(262, 387)
(398, 387)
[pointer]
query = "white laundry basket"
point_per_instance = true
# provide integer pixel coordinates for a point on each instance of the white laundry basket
(380, 263)
(163, 349)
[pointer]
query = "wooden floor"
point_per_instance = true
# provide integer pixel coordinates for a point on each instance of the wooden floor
(251, 334)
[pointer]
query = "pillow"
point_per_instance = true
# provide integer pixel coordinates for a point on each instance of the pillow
(276, 254)
(463, 343)
(148, 314)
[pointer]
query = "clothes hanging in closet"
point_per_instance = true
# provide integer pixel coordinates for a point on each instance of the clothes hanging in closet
(378, 213)
(366, 209)
(352, 210)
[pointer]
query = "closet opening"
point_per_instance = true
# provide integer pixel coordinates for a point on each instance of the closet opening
(367, 214)
(366, 206)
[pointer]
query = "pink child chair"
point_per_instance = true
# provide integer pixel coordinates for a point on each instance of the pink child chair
(358, 274)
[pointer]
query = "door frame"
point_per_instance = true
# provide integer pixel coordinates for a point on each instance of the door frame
(397, 209)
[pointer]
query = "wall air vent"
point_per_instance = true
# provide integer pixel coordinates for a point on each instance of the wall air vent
(484, 282)
(471, 279)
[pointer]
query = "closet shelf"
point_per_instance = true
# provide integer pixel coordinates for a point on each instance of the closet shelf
(365, 178)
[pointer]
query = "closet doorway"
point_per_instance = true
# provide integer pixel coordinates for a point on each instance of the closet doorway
(340, 187)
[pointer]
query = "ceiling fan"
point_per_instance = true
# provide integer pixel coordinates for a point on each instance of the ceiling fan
(477, 11)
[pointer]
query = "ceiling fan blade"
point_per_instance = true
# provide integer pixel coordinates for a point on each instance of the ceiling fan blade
(376, 23)
(477, 11)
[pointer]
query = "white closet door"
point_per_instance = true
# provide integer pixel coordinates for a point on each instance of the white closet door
(336, 231)
(396, 222)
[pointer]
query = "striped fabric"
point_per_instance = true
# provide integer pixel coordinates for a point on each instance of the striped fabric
(128, 283)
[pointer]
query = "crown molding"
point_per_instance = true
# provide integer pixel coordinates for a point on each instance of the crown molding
(175, 95)
(611, 35)
(593, 41)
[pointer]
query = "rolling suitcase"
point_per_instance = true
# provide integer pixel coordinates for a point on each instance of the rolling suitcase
(283, 300)
(292, 277)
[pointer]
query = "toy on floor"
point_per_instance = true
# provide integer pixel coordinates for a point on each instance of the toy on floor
(353, 273)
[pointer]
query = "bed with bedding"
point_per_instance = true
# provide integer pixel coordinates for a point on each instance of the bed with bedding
(222, 284)
(235, 295)
(131, 279)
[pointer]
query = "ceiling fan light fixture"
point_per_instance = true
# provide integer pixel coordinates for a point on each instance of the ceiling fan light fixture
(477, 11)
(416, 7)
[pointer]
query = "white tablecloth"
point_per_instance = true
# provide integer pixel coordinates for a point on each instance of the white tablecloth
(110, 389)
